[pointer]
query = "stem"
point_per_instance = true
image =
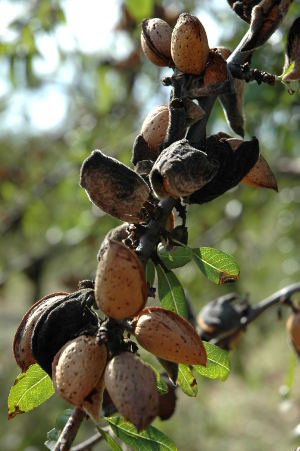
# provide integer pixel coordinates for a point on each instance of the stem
(89, 443)
(151, 237)
(197, 132)
(280, 297)
(70, 430)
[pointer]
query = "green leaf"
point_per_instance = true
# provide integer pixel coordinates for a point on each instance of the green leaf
(288, 69)
(52, 437)
(140, 10)
(149, 440)
(217, 365)
(176, 257)
(186, 380)
(170, 292)
(109, 440)
(29, 391)
(162, 387)
(216, 265)
(105, 91)
(150, 272)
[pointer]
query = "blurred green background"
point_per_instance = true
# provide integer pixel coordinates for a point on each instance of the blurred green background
(72, 79)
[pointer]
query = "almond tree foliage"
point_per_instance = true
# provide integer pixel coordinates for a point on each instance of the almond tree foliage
(96, 333)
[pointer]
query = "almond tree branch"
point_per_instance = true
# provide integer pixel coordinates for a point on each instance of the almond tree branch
(280, 297)
(70, 430)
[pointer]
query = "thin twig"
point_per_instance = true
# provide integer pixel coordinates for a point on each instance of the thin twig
(70, 430)
(280, 297)
(151, 237)
(244, 72)
(88, 444)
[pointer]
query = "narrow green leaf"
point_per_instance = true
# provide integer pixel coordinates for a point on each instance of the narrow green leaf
(162, 387)
(186, 380)
(150, 272)
(176, 257)
(293, 363)
(288, 69)
(170, 292)
(149, 440)
(140, 10)
(216, 265)
(109, 440)
(217, 365)
(29, 391)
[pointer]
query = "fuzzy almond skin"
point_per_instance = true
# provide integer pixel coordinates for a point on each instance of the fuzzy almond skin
(216, 69)
(78, 368)
(131, 384)
(169, 336)
(293, 328)
(155, 126)
(113, 187)
(93, 402)
(22, 340)
(261, 175)
(156, 41)
(120, 286)
(189, 45)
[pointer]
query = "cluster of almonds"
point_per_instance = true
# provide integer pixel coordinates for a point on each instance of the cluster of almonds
(84, 354)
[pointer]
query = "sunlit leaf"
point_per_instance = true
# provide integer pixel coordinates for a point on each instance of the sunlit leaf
(176, 257)
(162, 387)
(150, 272)
(216, 265)
(109, 440)
(288, 69)
(29, 391)
(186, 380)
(140, 10)
(217, 364)
(149, 440)
(170, 292)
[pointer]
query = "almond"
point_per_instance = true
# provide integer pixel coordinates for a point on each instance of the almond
(77, 369)
(293, 328)
(180, 170)
(215, 70)
(22, 340)
(155, 126)
(261, 175)
(189, 45)
(93, 402)
(113, 187)
(169, 336)
(120, 288)
(131, 384)
(156, 41)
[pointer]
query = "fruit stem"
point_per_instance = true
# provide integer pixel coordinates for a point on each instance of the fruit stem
(70, 430)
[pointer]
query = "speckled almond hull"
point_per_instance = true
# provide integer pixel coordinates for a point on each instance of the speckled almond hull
(169, 336)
